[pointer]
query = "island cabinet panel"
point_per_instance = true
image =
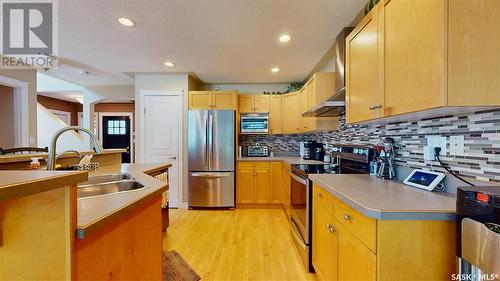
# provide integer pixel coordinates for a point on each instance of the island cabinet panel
(414, 55)
(355, 260)
(356, 247)
(286, 188)
(36, 236)
(129, 248)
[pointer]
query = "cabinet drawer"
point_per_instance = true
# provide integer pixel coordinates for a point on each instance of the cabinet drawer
(244, 165)
(261, 165)
(322, 199)
(364, 228)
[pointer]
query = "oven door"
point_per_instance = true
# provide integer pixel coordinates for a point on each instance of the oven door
(300, 206)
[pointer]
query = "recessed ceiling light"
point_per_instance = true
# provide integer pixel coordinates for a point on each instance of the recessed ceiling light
(285, 38)
(275, 69)
(169, 64)
(126, 22)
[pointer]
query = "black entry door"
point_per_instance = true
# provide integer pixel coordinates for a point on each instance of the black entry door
(116, 134)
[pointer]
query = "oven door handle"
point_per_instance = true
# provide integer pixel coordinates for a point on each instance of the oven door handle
(296, 235)
(299, 179)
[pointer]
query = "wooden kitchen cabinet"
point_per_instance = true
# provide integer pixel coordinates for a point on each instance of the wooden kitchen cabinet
(276, 183)
(355, 260)
(258, 183)
(325, 241)
(292, 117)
(253, 103)
(275, 111)
(245, 185)
(348, 245)
(423, 56)
(362, 69)
(212, 100)
(286, 189)
(414, 55)
(307, 123)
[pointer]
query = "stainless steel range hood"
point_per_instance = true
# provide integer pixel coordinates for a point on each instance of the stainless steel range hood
(331, 107)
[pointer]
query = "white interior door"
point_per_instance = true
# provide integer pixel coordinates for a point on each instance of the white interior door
(161, 125)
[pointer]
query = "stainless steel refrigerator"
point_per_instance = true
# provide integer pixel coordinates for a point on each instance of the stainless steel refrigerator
(211, 158)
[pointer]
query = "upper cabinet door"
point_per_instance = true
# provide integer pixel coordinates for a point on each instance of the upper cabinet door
(414, 54)
(275, 114)
(224, 100)
(245, 103)
(200, 100)
(291, 115)
(362, 62)
(261, 103)
(474, 60)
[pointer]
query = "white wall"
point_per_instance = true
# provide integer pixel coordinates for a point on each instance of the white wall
(28, 76)
(49, 124)
(164, 83)
(247, 88)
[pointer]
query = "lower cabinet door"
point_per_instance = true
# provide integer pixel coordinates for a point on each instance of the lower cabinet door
(324, 245)
(356, 261)
(244, 187)
(262, 191)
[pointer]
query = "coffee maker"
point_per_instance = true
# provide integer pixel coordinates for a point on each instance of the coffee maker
(319, 152)
(309, 147)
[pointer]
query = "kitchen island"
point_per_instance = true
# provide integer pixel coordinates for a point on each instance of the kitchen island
(91, 238)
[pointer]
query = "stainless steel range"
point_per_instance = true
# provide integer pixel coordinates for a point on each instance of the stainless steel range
(349, 159)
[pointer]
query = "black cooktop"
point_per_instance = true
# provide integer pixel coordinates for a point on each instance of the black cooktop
(306, 169)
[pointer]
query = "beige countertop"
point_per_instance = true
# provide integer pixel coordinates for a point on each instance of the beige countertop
(387, 200)
(96, 212)
(287, 159)
(15, 184)
(11, 158)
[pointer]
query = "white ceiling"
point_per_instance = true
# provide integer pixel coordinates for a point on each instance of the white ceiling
(222, 41)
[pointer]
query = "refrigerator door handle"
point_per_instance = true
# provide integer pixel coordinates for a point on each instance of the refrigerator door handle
(207, 164)
(210, 175)
(210, 139)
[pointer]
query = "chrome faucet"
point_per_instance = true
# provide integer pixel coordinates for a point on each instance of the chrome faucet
(51, 162)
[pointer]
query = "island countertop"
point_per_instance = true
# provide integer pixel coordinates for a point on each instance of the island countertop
(97, 211)
(387, 199)
(16, 184)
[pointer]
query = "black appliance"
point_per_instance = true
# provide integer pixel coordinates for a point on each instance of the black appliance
(309, 147)
(350, 159)
(319, 152)
(478, 232)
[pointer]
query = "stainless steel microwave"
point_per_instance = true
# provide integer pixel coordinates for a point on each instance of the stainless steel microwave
(254, 123)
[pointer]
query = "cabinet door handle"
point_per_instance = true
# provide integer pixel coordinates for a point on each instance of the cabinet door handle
(332, 230)
(371, 107)
(378, 106)
(347, 217)
(328, 226)
(318, 195)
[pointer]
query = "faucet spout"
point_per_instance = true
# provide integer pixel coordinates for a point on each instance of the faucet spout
(51, 162)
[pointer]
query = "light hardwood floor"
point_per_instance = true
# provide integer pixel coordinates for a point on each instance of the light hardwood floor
(242, 244)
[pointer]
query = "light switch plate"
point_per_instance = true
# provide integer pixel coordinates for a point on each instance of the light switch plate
(433, 142)
(457, 145)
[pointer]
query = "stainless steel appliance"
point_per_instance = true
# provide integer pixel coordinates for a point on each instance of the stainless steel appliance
(478, 232)
(211, 158)
(353, 160)
(332, 105)
(258, 151)
(254, 123)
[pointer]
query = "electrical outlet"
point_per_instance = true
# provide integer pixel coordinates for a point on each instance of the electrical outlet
(457, 145)
(433, 142)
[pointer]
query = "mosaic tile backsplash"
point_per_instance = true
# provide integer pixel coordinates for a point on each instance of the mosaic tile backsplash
(481, 130)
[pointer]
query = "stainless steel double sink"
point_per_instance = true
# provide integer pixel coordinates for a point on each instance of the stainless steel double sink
(107, 184)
